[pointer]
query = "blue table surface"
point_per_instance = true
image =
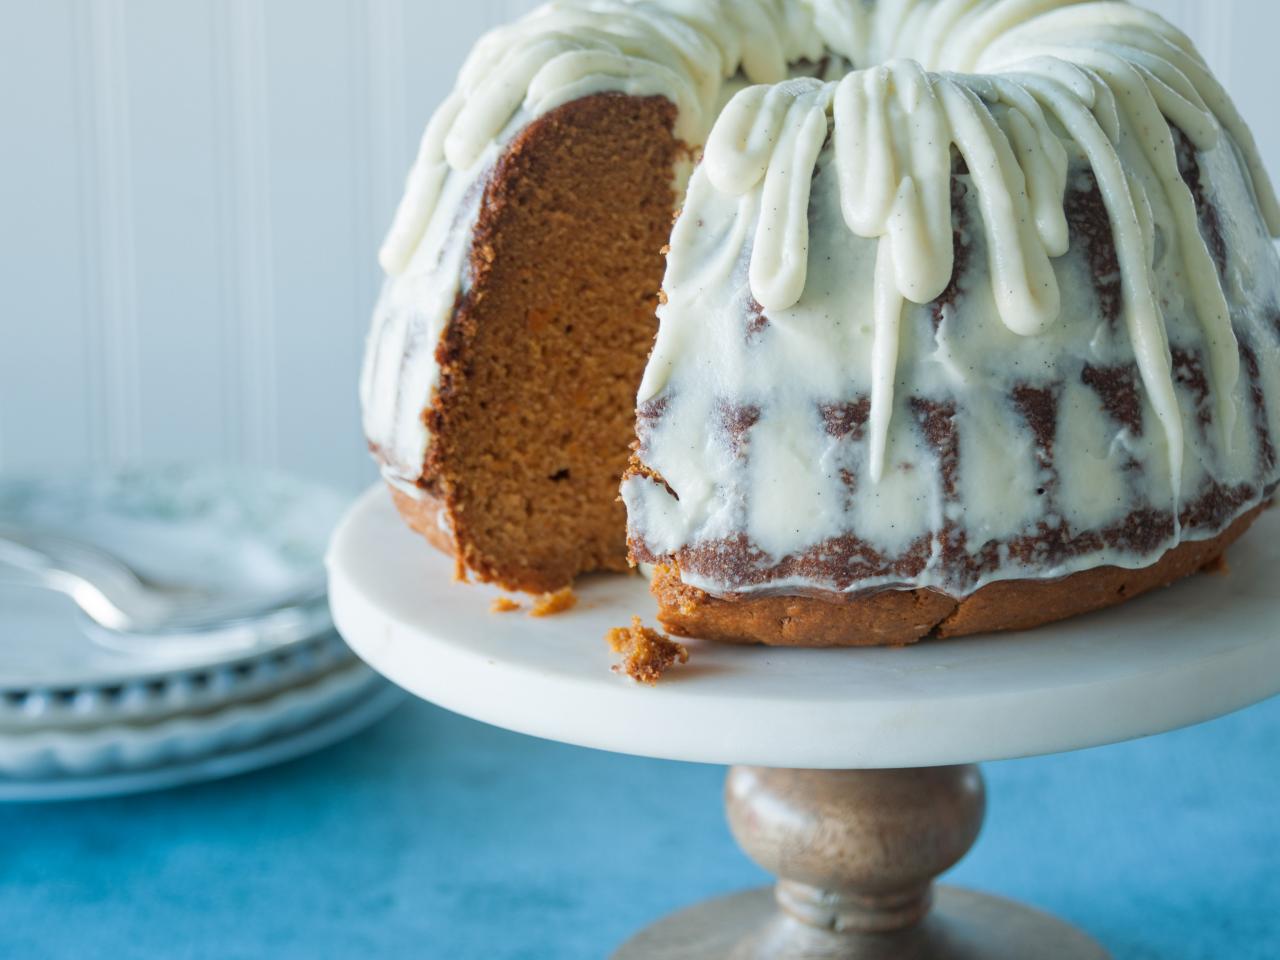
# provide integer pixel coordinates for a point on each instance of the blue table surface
(433, 836)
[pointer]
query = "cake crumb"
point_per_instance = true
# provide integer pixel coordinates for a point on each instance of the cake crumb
(649, 654)
(504, 605)
(553, 603)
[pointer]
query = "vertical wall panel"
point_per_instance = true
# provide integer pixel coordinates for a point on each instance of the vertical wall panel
(246, 188)
(44, 361)
(392, 143)
(106, 150)
(176, 174)
(386, 88)
(106, 144)
(323, 289)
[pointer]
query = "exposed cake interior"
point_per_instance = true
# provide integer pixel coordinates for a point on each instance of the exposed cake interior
(538, 369)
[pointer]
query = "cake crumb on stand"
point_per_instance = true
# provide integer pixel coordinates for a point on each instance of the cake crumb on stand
(649, 654)
(460, 570)
(504, 605)
(552, 603)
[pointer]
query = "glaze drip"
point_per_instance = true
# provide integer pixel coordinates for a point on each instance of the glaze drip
(915, 234)
(1034, 109)
(893, 128)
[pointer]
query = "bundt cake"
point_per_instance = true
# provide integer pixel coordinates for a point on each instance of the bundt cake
(969, 320)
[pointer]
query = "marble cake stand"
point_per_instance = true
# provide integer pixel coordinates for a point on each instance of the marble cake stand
(853, 778)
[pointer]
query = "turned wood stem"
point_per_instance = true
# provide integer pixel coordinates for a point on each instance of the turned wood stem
(855, 851)
(856, 854)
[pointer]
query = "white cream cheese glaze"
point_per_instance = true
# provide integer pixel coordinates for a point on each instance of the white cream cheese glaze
(824, 210)
(820, 226)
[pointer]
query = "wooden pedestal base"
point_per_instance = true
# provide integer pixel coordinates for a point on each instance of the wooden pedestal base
(856, 853)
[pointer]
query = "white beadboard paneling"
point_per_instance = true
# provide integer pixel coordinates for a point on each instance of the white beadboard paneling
(322, 279)
(44, 305)
(108, 210)
(176, 176)
(248, 263)
(383, 84)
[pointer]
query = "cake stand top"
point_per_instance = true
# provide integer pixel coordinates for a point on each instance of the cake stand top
(1171, 659)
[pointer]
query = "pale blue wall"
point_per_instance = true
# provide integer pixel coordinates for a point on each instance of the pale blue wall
(192, 192)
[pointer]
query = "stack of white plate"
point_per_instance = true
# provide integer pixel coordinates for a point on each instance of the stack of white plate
(81, 715)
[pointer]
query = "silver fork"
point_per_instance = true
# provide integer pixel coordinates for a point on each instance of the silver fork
(120, 600)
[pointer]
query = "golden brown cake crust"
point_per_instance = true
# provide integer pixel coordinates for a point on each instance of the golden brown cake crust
(898, 617)
(425, 515)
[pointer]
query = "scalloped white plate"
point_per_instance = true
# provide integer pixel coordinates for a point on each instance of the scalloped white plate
(230, 531)
(48, 765)
(155, 697)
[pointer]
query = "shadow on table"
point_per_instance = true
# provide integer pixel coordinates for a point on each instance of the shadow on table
(427, 835)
